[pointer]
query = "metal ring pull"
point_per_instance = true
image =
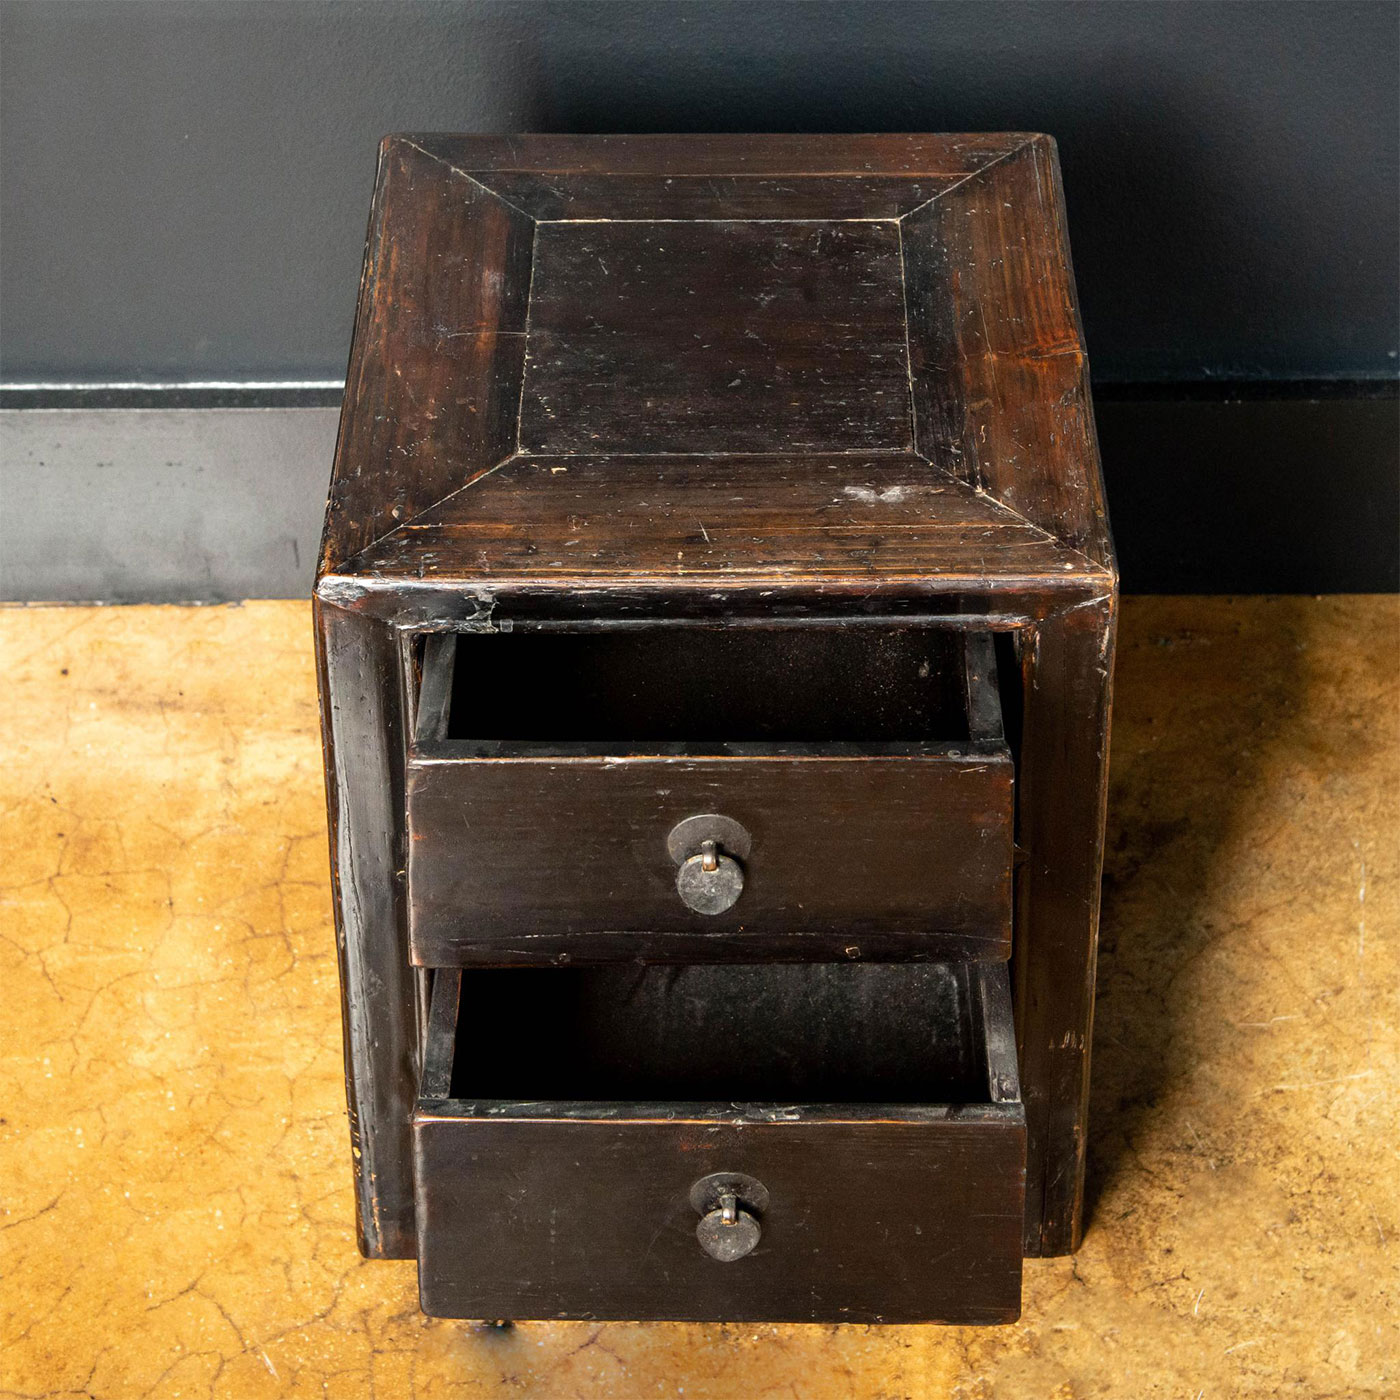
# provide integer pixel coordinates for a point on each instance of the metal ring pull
(708, 850)
(730, 1206)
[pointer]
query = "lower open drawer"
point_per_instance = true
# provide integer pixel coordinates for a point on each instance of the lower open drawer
(587, 1142)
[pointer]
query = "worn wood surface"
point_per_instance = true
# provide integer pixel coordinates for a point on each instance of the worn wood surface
(1063, 775)
(914, 849)
(540, 804)
(360, 679)
(890, 521)
(652, 338)
(729, 176)
(665, 491)
(716, 336)
(433, 388)
(1001, 387)
(578, 1208)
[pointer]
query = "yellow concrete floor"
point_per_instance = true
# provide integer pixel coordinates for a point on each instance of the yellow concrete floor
(174, 1166)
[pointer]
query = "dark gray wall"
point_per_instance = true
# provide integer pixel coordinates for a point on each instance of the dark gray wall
(184, 184)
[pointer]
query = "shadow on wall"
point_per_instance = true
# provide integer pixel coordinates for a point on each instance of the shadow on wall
(1162, 173)
(1230, 169)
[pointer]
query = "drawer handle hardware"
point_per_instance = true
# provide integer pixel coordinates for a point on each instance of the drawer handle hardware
(730, 1205)
(708, 849)
(710, 882)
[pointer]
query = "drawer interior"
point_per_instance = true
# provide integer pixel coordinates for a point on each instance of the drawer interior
(869, 1033)
(566, 1119)
(865, 763)
(895, 683)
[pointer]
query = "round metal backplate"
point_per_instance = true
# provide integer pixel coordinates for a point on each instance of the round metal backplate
(706, 1193)
(686, 837)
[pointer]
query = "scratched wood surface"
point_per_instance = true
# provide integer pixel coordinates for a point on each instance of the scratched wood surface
(716, 336)
(878, 1212)
(876, 519)
(722, 176)
(935, 339)
(621, 378)
(438, 349)
(880, 822)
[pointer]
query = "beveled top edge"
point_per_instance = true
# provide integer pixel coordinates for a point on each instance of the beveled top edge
(1086, 582)
(725, 153)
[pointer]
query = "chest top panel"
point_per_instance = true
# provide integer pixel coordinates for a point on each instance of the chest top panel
(716, 336)
(703, 361)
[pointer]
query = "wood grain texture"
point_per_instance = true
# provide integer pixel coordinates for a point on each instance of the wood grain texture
(505, 851)
(1001, 388)
(695, 523)
(575, 1209)
(540, 805)
(724, 331)
(746, 154)
(433, 387)
(915, 1221)
(359, 674)
(724, 176)
(1063, 775)
(716, 336)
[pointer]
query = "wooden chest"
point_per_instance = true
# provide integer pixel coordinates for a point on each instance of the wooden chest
(715, 616)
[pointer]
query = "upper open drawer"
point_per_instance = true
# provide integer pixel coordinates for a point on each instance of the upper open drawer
(675, 793)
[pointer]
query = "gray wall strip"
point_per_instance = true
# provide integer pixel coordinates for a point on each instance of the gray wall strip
(1226, 492)
(181, 505)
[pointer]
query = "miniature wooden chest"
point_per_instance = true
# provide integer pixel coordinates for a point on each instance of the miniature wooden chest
(715, 616)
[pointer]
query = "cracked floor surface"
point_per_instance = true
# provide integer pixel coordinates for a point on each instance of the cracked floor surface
(174, 1166)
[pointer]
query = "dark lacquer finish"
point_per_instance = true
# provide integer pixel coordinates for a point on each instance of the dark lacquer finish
(799, 325)
(362, 710)
(555, 1178)
(866, 767)
(672, 388)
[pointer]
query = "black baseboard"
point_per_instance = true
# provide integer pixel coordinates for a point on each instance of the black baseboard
(1258, 489)
(122, 496)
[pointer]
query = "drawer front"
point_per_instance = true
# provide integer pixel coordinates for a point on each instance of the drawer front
(917, 1220)
(851, 857)
(604, 1207)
